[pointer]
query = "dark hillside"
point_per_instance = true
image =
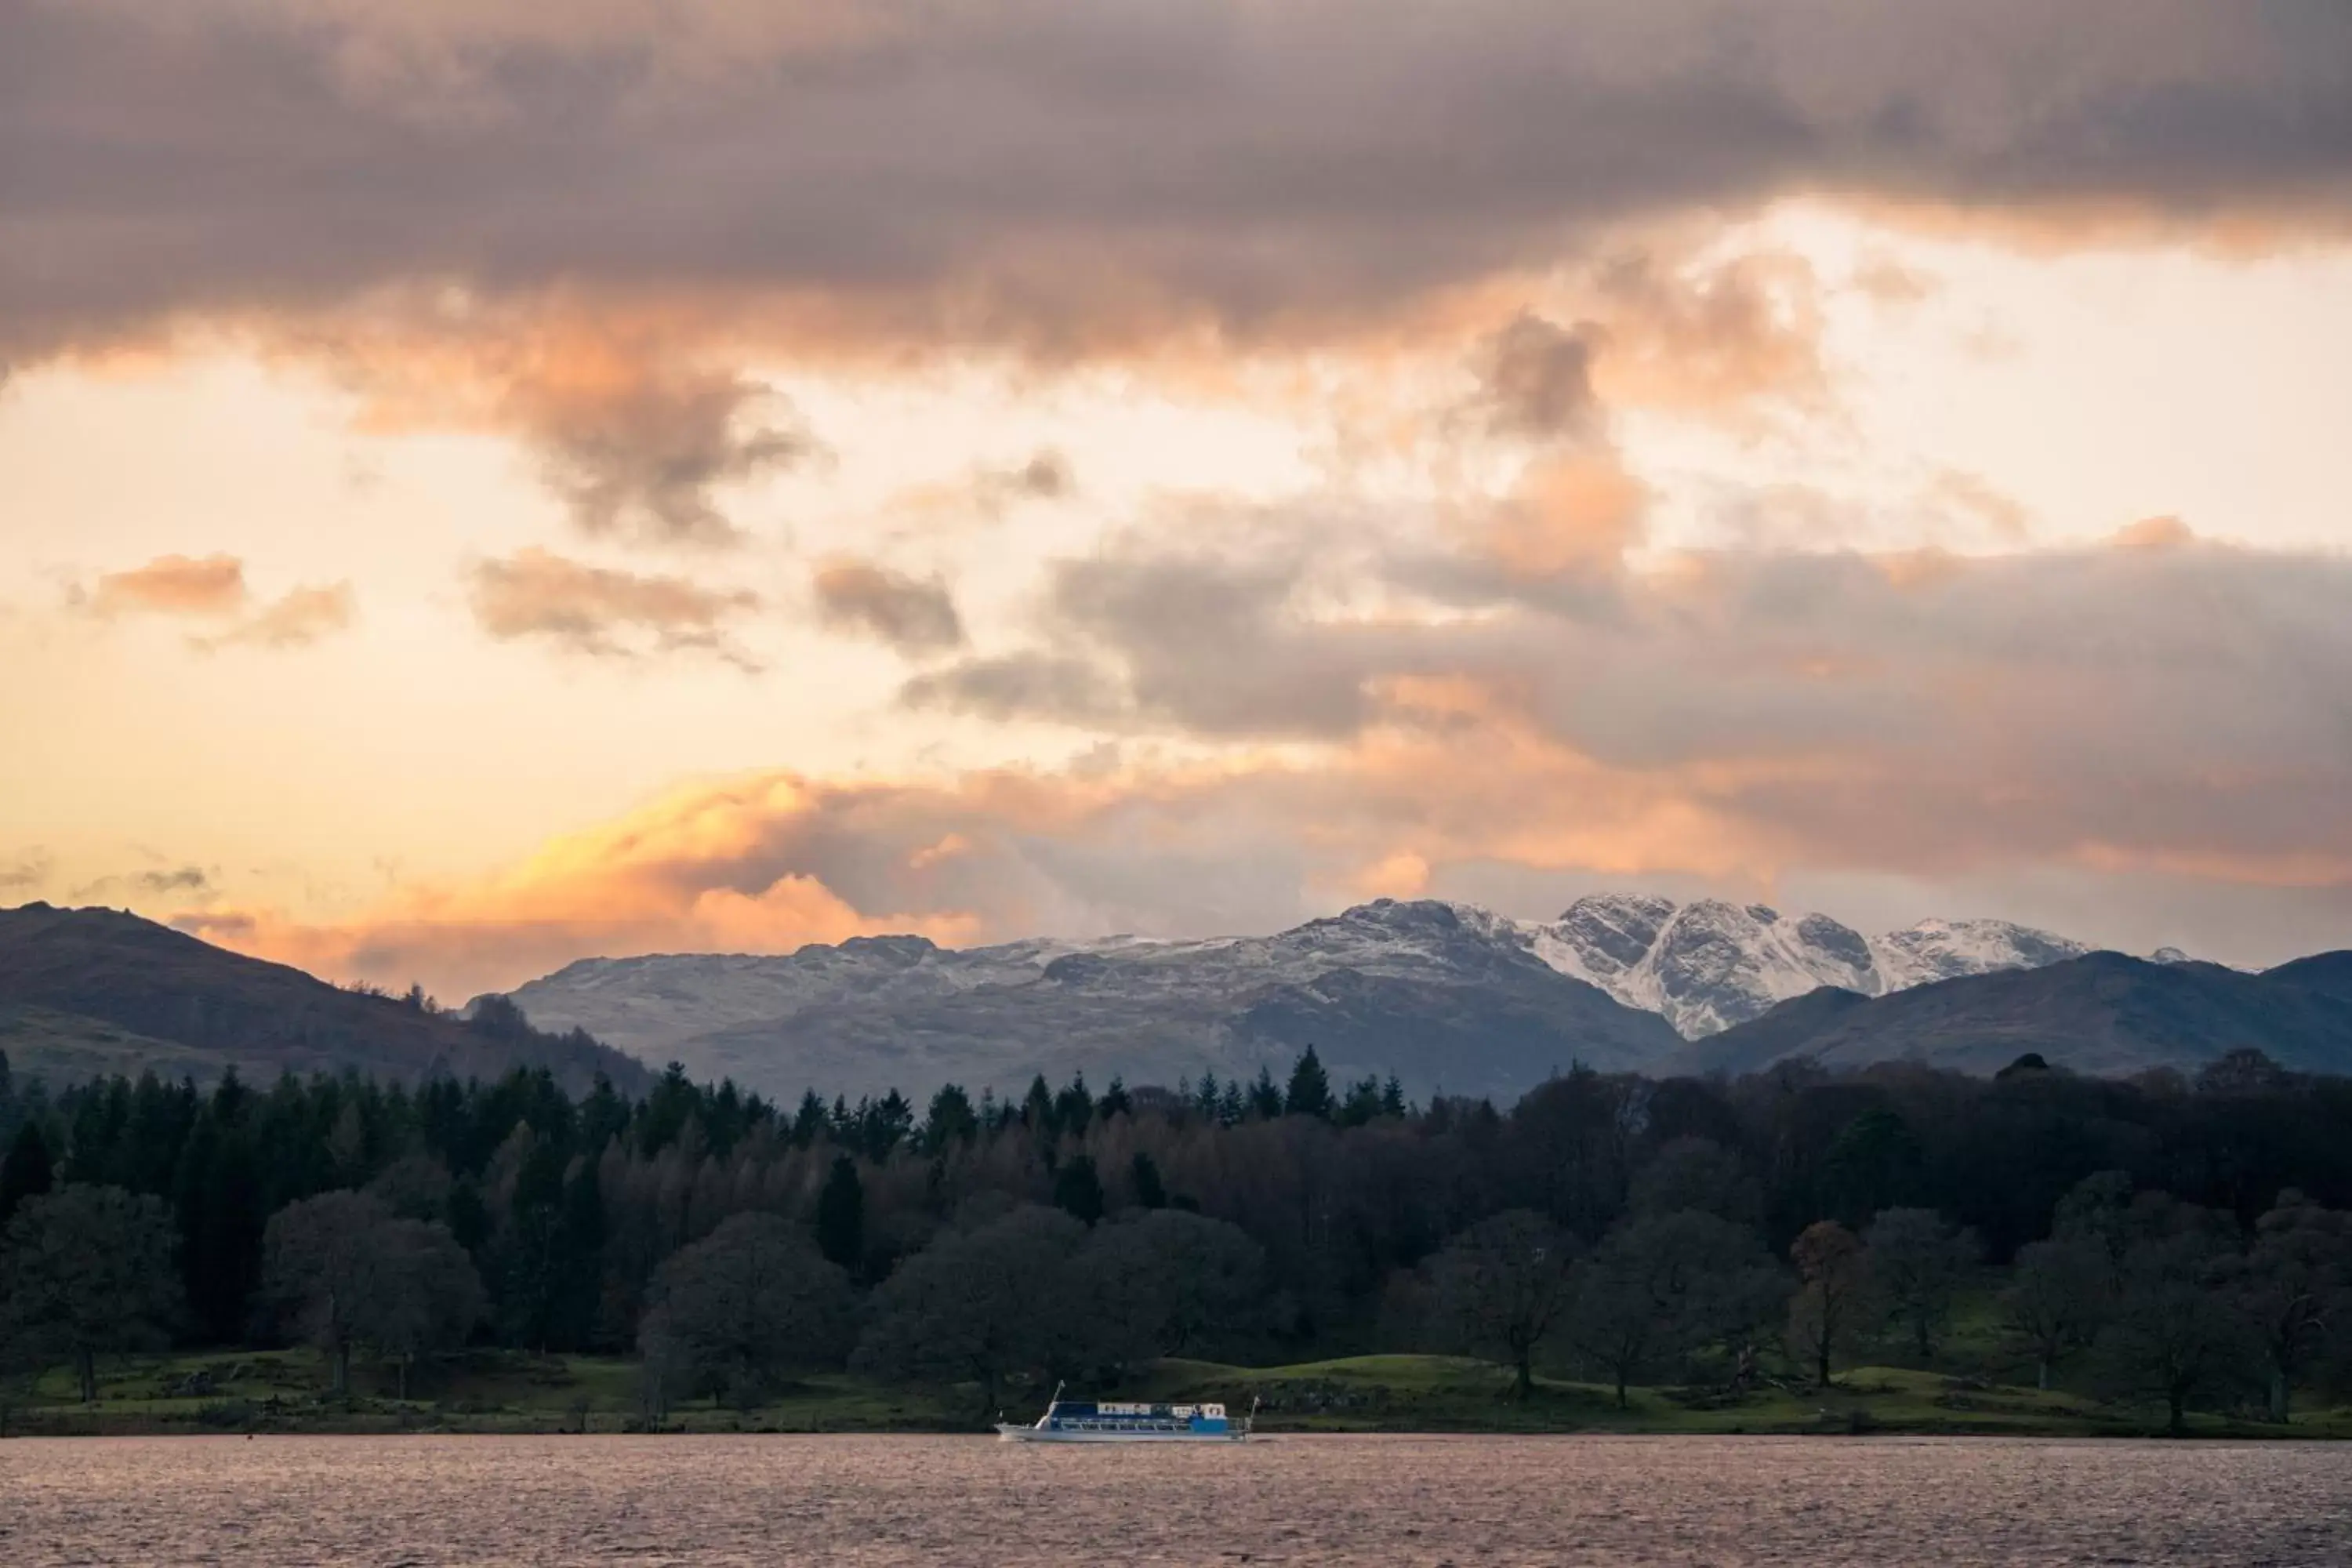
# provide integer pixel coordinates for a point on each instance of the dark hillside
(2104, 1013)
(86, 984)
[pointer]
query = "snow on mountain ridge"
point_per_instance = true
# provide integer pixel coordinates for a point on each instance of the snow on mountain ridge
(1710, 965)
(1703, 966)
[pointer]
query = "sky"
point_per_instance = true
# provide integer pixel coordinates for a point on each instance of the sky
(487, 484)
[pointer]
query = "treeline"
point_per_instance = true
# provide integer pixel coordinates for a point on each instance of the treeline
(2180, 1240)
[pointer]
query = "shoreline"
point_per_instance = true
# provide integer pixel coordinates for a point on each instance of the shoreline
(490, 1394)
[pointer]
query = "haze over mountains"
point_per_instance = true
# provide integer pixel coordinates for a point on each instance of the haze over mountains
(1445, 996)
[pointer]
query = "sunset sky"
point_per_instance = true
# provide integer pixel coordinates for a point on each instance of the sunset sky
(483, 484)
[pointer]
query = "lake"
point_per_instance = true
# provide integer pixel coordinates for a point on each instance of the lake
(742, 1499)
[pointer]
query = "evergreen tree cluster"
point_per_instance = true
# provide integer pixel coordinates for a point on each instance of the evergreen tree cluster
(2193, 1230)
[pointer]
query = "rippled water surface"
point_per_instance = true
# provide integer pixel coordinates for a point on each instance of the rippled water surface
(420, 1500)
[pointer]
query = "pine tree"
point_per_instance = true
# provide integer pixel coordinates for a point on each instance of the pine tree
(1209, 1096)
(1265, 1099)
(1310, 1087)
(1115, 1101)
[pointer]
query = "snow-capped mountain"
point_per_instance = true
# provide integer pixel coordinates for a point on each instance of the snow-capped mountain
(1444, 995)
(1707, 966)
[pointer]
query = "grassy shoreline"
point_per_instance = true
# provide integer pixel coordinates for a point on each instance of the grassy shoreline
(504, 1392)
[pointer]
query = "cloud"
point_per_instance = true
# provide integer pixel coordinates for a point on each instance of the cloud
(1005, 171)
(636, 427)
(172, 586)
(301, 618)
(1713, 337)
(1021, 685)
(1046, 476)
(645, 459)
(1537, 380)
(915, 615)
(600, 611)
(25, 872)
(213, 588)
(180, 880)
(2138, 720)
(1845, 709)
(1574, 515)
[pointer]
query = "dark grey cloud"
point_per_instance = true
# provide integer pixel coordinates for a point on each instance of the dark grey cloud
(1026, 171)
(917, 615)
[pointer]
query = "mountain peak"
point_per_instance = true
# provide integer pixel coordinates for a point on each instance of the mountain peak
(1711, 964)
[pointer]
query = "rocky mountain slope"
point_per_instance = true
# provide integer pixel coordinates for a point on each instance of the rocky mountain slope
(1708, 965)
(1444, 996)
(1441, 995)
(84, 992)
(2104, 1013)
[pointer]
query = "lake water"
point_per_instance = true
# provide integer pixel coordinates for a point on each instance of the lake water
(1720, 1501)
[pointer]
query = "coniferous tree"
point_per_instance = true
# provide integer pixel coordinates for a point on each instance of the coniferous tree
(1073, 1108)
(950, 1121)
(1208, 1096)
(1265, 1099)
(1310, 1087)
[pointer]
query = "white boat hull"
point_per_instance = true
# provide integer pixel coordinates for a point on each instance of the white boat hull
(1009, 1432)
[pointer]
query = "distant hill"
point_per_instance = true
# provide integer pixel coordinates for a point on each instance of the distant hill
(1444, 996)
(2104, 1013)
(89, 991)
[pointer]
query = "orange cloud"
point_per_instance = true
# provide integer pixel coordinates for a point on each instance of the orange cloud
(214, 588)
(1574, 514)
(172, 585)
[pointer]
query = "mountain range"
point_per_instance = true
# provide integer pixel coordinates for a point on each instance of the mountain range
(1445, 996)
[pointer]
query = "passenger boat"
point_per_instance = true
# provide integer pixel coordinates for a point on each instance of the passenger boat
(1089, 1421)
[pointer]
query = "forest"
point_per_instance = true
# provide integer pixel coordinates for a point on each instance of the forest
(2174, 1243)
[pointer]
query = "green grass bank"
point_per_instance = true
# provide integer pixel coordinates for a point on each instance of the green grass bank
(503, 1391)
